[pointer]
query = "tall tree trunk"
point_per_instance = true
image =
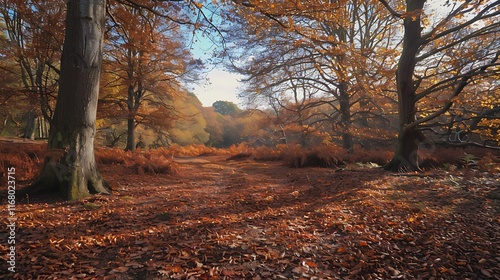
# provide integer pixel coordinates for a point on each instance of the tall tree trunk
(345, 118)
(344, 98)
(131, 142)
(29, 129)
(132, 105)
(69, 167)
(133, 98)
(409, 136)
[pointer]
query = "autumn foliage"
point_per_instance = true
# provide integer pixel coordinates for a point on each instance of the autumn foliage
(244, 213)
(28, 157)
(292, 188)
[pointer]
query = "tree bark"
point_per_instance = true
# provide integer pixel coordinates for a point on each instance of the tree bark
(406, 156)
(29, 129)
(132, 106)
(131, 142)
(409, 136)
(69, 166)
(345, 117)
(133, 98)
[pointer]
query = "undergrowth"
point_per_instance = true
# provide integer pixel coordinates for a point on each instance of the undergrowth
(27, 157)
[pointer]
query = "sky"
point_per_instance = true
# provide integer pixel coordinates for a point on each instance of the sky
(218, 85)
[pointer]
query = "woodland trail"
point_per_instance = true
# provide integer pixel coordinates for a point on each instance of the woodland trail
(244, 219)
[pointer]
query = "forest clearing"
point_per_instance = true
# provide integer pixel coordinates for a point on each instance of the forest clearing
(366, 144)
(228, 215)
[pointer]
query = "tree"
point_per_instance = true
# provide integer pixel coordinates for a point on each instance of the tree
(70, 167)
(189, 127)
(226, 108)
(9, 81)
(35, 37)
(441, 56)
(316, 62)
(214, 126)
(146, 60)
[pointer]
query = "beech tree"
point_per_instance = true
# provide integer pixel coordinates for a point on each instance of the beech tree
(35, 33)
(146, 61)
(321, 66)
(442, 56)
(70, 167)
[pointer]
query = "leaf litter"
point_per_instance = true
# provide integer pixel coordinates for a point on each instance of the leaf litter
(220, 219)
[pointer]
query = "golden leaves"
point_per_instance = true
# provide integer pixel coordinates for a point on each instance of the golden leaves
(414, 15)
(199, 5)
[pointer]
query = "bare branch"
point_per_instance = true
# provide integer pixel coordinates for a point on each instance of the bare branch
(390, 9)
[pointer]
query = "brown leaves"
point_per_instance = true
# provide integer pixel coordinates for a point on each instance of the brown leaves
(215, 220)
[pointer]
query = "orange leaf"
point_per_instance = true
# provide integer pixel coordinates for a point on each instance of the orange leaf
(311, 264)
(341, 249)
(363, 243)
(174, 269)
(121, 269)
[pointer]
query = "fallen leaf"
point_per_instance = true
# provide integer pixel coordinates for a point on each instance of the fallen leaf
(120, 269)
(342, 249)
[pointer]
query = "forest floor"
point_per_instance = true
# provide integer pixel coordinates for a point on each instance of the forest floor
(245, 219)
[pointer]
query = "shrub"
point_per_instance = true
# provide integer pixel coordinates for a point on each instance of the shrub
(111, 156)
(242, 148)
(321, 156)
(198, 150)
(270, 154)
(26, 157)
(158, 161)
(190, 150)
